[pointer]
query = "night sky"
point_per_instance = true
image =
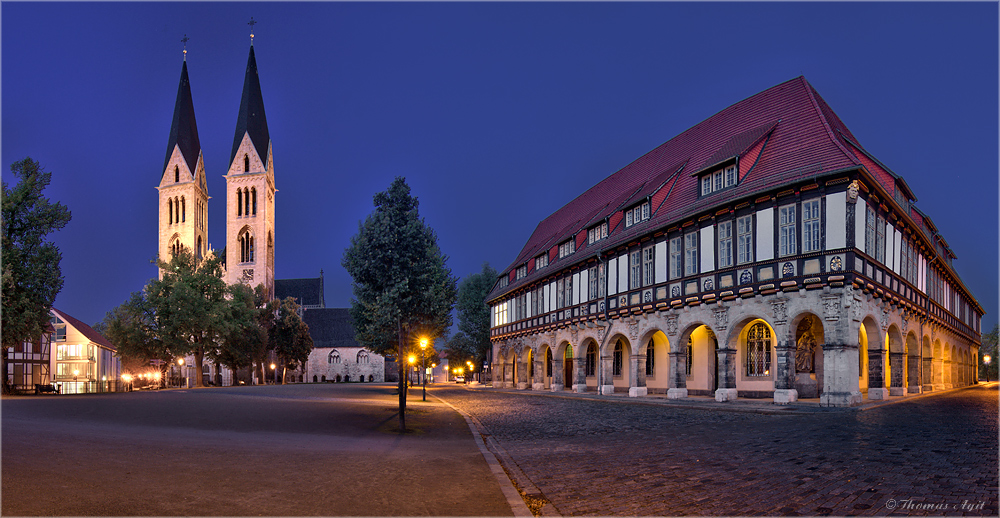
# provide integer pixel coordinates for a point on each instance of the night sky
(497, 114)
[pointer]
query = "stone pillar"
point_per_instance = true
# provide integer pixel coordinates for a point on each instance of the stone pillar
(538, 381)
(947, 369)
(927, 376)
(607, 379)
(938, 366)
(896, 374)
(784, 381)
(876, 375)
(580, 375)
(637, 375)
(522, 376)
(558, 383)
(677, 375)
(913, 374)
(727, 375)
(840, 375)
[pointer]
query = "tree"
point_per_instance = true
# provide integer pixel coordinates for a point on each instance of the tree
(290, 335)
(247, 333)
(402, 288)
(31, 274)
(989, 347)
(131, 326)
(191, 306)
(474, 315)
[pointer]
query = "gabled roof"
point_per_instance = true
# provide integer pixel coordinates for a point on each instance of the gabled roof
(330, 327)
(307, 292)
(802, 142)
(183, 128)
(251, 119)
(85, 330)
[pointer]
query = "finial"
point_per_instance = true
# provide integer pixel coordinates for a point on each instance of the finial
(251, 23)
(185, 41)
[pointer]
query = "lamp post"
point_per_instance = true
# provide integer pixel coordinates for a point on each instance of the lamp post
(274, 374)
(412, 360)
(180, 368)
(986, 360)
(76, 384)
(423, 364)
(472, 370)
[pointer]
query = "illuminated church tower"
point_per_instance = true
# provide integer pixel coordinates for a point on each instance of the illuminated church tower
(250, 191)
(183, 193)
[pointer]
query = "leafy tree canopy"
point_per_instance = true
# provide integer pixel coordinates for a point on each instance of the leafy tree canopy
(290, 335)
(474, 314)
(131, 326)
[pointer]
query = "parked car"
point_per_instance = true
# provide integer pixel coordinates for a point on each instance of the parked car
(459, 379)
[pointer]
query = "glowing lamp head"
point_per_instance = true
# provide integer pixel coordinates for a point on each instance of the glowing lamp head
(412, 359)
(423, 343)
(273, 366)
(986, 359)
(180, 361)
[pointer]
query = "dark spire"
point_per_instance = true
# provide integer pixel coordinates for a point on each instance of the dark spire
(251, 118)
(184, 129)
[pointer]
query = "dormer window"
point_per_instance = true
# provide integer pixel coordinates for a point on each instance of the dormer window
(542, 261)
(597, 233)
(719, 180)
(636, 214)
(246, 163)
(566, 248)
(521, 272)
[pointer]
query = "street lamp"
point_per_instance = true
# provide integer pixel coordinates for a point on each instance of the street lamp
(413, 360)
(472, 370)
(986, 360)
(180, 368)
(274, 374)
(76, 384)
(423, 354)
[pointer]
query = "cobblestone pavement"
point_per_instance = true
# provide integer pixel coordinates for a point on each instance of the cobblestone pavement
(934, 455)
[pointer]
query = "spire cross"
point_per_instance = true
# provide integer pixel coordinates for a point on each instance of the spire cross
(251, 23)
(185, 41)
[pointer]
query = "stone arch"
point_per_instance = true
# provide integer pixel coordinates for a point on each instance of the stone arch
(912, 363)
(895, 361)
(591, 361)
(525, 368)
(615, 364)
(563, 363)
(545, 360)
(654, 349)
(806, 336)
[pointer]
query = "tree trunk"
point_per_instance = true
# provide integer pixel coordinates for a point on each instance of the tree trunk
(402, 380)
(199, 362)
(284, 371)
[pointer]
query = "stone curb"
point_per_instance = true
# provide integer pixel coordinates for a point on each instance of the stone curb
(740, 406)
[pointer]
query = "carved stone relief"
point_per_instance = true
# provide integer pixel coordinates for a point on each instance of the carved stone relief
(780, 312)
(672, 325)
(831, 308)
(721, 318)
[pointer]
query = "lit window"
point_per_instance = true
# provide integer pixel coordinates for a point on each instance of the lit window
(759, 350)
(810, 226)
(616, 362)
(60, 329)
(591, 361)
(649, 358)
(542, 261)
(786, 230)
(691, 253)
(725, 244)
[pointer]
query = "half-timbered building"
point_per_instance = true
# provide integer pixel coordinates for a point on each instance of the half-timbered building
(762, 253)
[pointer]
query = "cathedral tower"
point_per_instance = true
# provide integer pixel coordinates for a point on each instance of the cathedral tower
(250, 192)
(183, 192)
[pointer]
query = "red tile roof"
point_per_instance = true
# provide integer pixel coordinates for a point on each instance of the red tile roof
(804, 139)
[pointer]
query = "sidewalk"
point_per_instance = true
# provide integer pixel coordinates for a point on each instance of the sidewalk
(757, 406)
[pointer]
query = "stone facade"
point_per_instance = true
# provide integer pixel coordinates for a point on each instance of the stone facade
(346, 364)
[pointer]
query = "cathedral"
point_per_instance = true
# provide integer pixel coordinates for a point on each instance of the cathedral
(249, 247)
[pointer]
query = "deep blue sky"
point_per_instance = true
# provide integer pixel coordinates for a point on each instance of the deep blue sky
(496, 113)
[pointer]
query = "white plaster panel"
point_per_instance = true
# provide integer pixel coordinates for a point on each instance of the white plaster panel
(585, 285)
(528, 303)
(707, 249)
(889, 256)
(550, 290)
(836, 220)
(765, 234)
(921, 274)
(622, 273)
(577, 288)
(612, 276)
(660, 260)
(860, 213)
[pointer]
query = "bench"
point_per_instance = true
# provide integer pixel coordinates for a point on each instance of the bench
(47, 387)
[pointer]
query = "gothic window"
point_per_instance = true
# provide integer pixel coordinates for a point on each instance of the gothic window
(183, 209)
(239, 203)
(246, 202)
(177, 174)
(690, 354)
(333, 357)
(616, 362)
(170, 208)
(253, 199)
(246, 246)
(591, 364)
(649, 358)
(362, 356)
(759, 350)
(199, 248)
(246, 163)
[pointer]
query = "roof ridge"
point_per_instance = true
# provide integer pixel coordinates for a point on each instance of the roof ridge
(826, 124)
